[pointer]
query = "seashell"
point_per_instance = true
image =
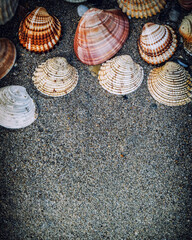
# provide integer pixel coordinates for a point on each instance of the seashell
(185, 30)
(81, 9)
(39, 31)
(100, 35)
(174, 14)
(17, 108)
(55, 77)
(141, 8)
(7, 56)
(186, 4)
(157, 43)
(7, 10)
(120, 75)
(170, 84)
(75, 1)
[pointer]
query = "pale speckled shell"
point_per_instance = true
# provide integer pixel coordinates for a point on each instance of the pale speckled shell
(186, 4)
(7, 56)
(120, 75)
(157, 43)
(7, 10)
(55, 77)
(17, 109)
(39, 31)
(141, 8)
(185, 30)
(100, 34)
(170, 84)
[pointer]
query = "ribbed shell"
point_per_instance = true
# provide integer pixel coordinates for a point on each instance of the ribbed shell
(55, 77)
(120, 75)
(185, 30)
(170, 84)
(186, 4)
(141, 8)
(7, 56)
(39, 31)
(100, 35)
(157, 43)
(7, 10)
(17, 109)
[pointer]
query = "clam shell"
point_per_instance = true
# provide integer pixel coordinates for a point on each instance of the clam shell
(185, 30)
(186, 4)
(17, 109)
(170, 84)
(141, 8)
(7, 56)
(157, 43)
(39, 31)
(55, 77)
(100, 35)
(7, 10)
(120, 75)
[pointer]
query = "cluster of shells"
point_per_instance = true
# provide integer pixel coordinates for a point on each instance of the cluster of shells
(100, 34)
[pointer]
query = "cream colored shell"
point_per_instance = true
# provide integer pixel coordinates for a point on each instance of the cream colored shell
(7, 10)
(17, 109)
(55, 77)
(170, 84)
(120, 75)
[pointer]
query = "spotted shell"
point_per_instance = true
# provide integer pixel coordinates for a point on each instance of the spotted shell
(186, 4)
(170, 84)
(7, 56)
(141, 8)
(120, 75)
(185, 30)
(17, 109)
(100, 35)
(39, 31)
(55, 77)
(157, 43)
(7, 10)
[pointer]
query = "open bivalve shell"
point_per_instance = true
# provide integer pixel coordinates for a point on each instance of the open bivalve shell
(7, 56)
(17, 109)
(157, 43)
(185, 30)
(39, 31)
(186, 4)
(55, 77)
(141, 8)
(120, 75)
(7, 10)
(100, 35)
(170, 84)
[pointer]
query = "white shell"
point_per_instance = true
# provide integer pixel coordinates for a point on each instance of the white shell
(120, 75)
(81, 9)
(7, 10)
(17, 109)
(170, 84)
(55, 77)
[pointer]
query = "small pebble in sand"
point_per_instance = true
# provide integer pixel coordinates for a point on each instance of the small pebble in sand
(81, 9)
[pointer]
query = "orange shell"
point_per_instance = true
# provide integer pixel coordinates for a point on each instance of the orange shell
(39, 31)
(100, 35)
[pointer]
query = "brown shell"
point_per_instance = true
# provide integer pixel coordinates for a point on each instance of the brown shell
(186, 4)
(141, 8)
(7, 56)
(170, 84)
(39, 31)
(100, 35)
(157, 43)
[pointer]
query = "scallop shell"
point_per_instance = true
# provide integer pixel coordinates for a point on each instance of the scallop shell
(120, 75)
(170, 84)
(7, 10)
(55, 77)
(157, 43)
(17, 109)
(39, 31)
(7, 56)
(141, 8)
(186, 4)
(185, 30)
(100, 35)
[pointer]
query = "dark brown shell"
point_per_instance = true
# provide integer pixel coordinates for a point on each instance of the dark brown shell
(186, 4)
